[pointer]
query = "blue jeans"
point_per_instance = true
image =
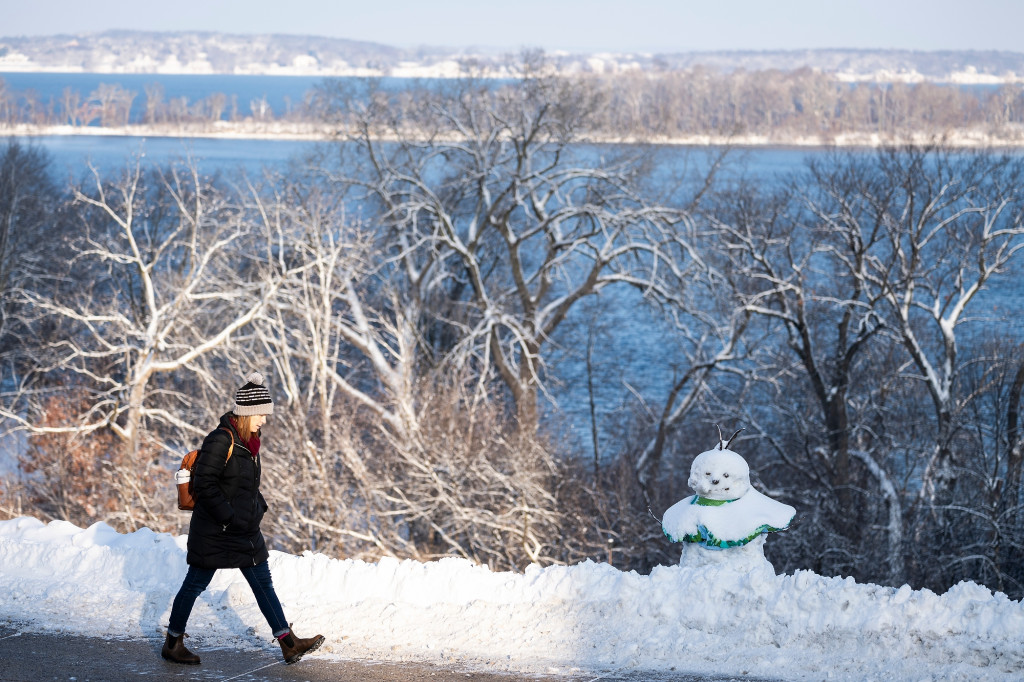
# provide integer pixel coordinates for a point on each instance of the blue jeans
(198, 579)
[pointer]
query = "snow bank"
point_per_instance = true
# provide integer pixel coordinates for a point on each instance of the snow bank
(709, 619)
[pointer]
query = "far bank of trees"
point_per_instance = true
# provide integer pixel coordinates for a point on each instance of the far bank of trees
(113, 105)
(416, 293)
(781, 106)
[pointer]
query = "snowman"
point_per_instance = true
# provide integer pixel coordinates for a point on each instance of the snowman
(725, 514)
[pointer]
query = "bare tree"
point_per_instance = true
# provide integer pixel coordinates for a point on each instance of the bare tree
(71, 102)
(169, 269)
(28, 207)
(391, 460)
(795, 262)
(6, 103)
(987, 513)
(154, 103)
(217, 102)
(490, 198)
(952, 223)
(339, 350)
(113, 102)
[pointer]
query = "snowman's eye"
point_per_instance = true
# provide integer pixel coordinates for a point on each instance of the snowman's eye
(707, 473)
(725, 475)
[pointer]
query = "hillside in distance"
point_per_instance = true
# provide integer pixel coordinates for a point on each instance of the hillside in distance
(222, 53)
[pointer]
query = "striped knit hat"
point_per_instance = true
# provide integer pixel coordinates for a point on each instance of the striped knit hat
(253, 398)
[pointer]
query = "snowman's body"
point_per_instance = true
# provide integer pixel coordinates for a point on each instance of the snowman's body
(725, 514)
(721, 524)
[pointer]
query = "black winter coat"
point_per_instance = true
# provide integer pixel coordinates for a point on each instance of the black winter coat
(225, 527)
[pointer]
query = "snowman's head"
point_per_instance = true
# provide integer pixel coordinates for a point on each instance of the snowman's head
(720, 474)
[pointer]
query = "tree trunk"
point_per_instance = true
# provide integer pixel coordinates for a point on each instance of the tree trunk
(1015, 444)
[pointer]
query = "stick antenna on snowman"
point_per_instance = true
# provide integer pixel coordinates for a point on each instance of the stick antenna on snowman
(722, 444)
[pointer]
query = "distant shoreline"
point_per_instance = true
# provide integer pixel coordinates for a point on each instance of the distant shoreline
(226, 130)
(253, 130)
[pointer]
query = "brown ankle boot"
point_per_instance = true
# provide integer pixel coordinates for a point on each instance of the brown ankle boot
(294, 647)
(174, 651)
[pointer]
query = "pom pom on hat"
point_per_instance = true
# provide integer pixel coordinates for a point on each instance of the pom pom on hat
(253, 398)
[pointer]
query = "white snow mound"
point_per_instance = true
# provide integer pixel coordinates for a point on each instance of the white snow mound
(710, 619)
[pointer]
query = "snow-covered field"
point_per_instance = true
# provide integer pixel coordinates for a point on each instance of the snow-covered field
(730, 618)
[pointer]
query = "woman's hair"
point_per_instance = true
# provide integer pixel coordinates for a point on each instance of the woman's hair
(243, 424)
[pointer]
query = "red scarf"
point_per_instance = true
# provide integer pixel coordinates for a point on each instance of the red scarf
(252, 443)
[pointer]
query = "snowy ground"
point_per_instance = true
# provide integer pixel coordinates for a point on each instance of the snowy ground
(289, 130)
(723, 619)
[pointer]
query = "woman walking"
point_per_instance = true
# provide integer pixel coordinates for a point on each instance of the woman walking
(225, 527)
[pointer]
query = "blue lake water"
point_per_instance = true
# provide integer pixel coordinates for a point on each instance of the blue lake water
(71, 154)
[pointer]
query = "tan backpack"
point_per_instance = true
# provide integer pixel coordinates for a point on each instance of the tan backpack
(183, 476)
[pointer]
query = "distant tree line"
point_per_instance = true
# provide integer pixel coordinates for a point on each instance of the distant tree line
(778, 105)
(807, 104)
(111, 105)
(415, 294)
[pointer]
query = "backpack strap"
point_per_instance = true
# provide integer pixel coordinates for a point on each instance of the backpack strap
(231, 447)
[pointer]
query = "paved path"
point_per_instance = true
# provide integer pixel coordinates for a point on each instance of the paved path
(35, 657)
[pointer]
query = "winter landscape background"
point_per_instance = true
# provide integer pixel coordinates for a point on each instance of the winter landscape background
(502, 300)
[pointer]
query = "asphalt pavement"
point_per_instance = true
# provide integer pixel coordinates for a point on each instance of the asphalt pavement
(40, 657)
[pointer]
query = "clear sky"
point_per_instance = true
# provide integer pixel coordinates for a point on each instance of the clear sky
(576, 25)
